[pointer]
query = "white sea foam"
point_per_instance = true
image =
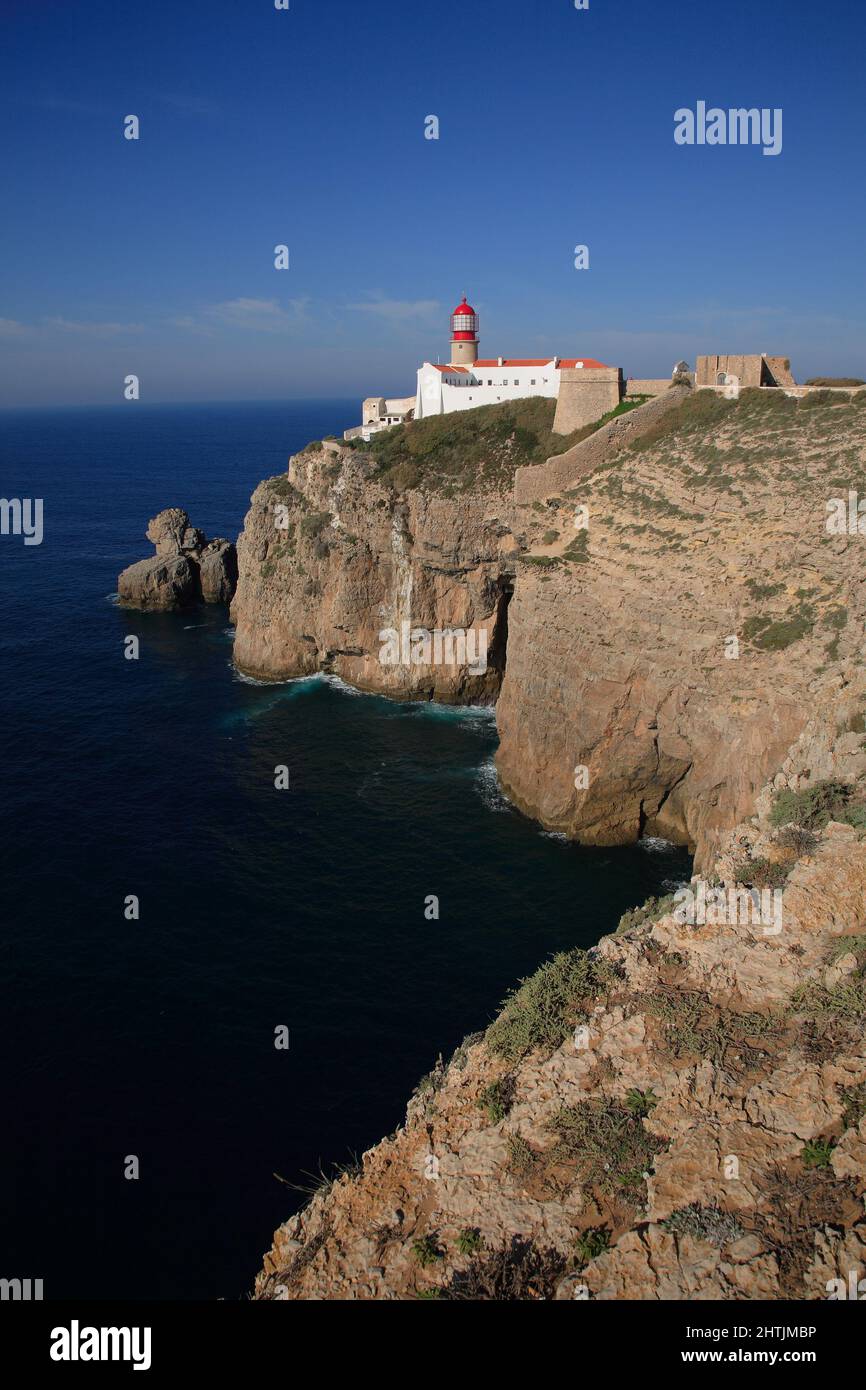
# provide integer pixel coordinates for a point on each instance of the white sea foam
(654, 844)
(244, 679)
(488, 788)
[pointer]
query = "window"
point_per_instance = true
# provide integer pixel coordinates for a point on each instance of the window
(516, 382)
(489, 383)
(532, 382)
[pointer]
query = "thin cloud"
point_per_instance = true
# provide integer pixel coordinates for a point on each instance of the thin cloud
(397, 310)
(92, 328)
(11, 328)
(259, 315)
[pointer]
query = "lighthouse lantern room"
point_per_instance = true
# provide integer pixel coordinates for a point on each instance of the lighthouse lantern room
(464, 335)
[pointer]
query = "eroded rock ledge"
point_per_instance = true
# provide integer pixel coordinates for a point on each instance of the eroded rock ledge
(187, 568)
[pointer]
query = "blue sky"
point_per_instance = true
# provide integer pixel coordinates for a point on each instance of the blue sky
(306, 127)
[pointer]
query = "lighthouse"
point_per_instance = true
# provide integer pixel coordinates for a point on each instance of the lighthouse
(464, 336)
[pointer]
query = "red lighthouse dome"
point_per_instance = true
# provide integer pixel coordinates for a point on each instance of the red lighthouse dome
(464, 323)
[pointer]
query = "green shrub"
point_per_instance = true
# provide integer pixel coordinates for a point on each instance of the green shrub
(469, 1241)
(774, 635)
(607, 1144)
(577, 550)
(834, 381)
(854, 1100)
(816, 399)
(704, 1223)
(762, 873)
(650, 911)
(312, 524)
(815, 806)
(522, 1157)
(640, 1103)
(591, 1243)
(797, 840)
(497, 1099)
(845, 1001)
(545, 1008)
(426, 1251)
(762, 591)
(283, 488)
(817, 1153)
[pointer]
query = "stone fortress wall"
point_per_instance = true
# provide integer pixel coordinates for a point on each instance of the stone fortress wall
(585, 394)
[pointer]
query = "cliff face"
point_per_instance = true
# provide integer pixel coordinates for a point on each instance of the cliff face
(683, 659)
(679, 1113)
(329, 559)
(655, 665)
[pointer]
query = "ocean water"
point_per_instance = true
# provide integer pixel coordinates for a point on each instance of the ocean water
(258, 909)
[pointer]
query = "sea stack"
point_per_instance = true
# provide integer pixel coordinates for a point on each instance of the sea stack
(186, 570)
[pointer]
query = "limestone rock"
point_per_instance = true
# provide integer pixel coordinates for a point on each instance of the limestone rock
(218, 567)
(187, 568)
(163, 582)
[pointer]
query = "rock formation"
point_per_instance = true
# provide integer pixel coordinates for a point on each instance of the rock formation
(673, 647)
(679, 1113)
(675, 638)
(329, 558)
(187, 568)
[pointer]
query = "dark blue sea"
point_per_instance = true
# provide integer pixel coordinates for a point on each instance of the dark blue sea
(258, 908)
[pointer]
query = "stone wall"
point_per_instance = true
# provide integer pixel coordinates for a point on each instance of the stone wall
(751, 369)
(646, 386)
(538, 481)
(585, 394)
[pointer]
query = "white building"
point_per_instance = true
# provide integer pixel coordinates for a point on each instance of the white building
(468, 380)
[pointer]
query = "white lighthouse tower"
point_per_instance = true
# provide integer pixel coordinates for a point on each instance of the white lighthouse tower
(464, 336)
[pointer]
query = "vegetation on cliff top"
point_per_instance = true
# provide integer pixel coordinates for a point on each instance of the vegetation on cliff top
(473, 450)
(544, 1009)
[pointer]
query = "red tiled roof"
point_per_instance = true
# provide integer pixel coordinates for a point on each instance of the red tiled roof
(537, 362)
(446, 368)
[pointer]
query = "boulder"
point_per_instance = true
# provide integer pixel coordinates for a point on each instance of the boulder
(187, 568)
(160, 583)
(218, 567)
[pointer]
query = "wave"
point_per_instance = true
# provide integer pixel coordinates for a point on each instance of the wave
(654, 844)
(488, 788)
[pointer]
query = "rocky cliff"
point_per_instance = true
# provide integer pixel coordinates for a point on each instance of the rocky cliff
(678, 1114)
(330, 557)
(675, 619)
(658, 625)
